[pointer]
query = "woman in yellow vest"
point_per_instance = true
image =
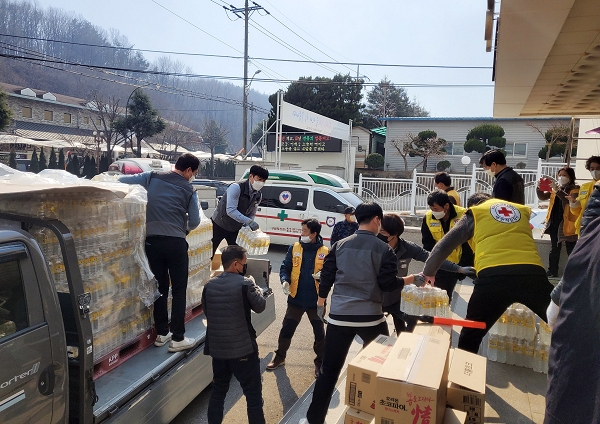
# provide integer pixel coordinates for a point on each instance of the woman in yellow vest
(560, 222)
(440, 219)
(303, 259)
(509, 268)
(578, 204)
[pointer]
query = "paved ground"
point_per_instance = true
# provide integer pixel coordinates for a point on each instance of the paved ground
(514, 395)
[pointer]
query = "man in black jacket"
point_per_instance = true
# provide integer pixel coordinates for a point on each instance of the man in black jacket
(230, 337)
(509, 185)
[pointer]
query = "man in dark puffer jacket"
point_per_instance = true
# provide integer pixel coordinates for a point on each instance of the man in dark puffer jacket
(230, 337)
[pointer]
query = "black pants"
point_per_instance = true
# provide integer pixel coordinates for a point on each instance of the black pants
(337, 343)
(397, 316)
(247, 371)
(493, 295)
(446, 281)
(219, 234)
(554, 257)
(168, 259)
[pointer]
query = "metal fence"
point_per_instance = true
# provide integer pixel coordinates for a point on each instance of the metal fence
(410, 195)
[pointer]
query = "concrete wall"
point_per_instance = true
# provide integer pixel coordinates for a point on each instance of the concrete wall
(456, 129)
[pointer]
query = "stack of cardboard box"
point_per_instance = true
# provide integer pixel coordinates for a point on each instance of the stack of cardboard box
(412, 379)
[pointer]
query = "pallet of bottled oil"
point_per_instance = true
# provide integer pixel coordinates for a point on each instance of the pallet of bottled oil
(255, 242)
(520, 338)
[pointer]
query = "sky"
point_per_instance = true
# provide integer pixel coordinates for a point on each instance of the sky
(399, 32)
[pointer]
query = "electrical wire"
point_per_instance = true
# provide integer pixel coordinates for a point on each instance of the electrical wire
(397, 65)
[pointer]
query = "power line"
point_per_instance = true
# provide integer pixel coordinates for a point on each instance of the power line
(397, 65)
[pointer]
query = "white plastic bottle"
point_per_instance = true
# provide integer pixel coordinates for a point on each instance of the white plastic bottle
(492, 353)
(537, 355)
(502, 349)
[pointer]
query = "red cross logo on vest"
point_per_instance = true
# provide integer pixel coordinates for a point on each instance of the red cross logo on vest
(505, 213)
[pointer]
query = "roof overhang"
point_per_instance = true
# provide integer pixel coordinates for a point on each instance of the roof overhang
(547, 58)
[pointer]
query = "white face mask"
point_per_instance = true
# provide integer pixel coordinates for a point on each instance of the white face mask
(595, 174)
(490, 172)
(438, 215)
(305, 239)
(563, 181)
(257, 185)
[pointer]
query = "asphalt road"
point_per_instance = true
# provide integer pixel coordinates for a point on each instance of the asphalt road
(282, 387)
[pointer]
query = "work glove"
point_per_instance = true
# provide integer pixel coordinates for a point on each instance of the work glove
(467, 270)
(419, 279)
(552, 313)
(251, 278)
(285, 286)
(317, 276)
(253, 225)
(321, 312)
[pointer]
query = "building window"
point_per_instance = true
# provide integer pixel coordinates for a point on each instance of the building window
(48, 115)
(67, 118)
(26, 111)
(86, 120)
(516, 150)
(455, 148)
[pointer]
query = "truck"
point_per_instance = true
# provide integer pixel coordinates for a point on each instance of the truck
(46, 344)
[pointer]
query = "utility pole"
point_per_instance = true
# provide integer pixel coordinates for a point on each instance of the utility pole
(245, 11)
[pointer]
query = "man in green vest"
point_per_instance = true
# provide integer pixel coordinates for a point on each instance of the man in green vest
(509, 268)
(439, 219)
(304, 258)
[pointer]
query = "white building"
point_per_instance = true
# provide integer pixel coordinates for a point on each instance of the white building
(523, 143)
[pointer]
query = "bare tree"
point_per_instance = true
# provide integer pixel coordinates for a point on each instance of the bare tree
(177, 135)
(426, 144)
(403, 149)
(107, 109)
(214, 137)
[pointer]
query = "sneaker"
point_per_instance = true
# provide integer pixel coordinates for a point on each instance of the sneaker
(276, 363)
(163, 340)
(184, 344)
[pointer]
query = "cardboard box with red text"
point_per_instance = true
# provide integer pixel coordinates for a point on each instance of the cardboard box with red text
(411, 385)
(361, 374)
(354, 416)
(466, 384)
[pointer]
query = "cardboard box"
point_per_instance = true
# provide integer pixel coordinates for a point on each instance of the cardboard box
(216, 260)
(433, 330)
(354, 416)
(452, 416)
(361, 374)
(466, 384)
(411, 385)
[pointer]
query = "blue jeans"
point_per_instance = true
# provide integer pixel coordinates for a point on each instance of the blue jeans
(247, 372)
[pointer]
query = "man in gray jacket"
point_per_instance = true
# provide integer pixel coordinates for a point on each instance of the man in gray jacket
(359, 267)
(230, 338)
(172, 212)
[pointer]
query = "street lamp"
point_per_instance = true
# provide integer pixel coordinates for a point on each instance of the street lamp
(245, 117)
(466, 160)
(98, 137)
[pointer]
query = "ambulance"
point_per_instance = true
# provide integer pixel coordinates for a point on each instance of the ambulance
(290, 197)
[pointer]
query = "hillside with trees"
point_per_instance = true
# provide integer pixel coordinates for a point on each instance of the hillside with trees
(39, 47)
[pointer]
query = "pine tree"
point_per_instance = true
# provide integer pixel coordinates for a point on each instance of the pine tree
(43, 165)
(61, 160)
(12, 159)
(93, 168)
(34, 164)
(86, 166)
(52, 162)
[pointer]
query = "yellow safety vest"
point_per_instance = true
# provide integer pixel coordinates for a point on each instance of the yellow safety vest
(568, 217)
(297, 263)
(454, 194)
(435, 227)
(502, 235)
(584, 195)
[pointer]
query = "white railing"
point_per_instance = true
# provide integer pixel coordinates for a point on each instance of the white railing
(410, 195)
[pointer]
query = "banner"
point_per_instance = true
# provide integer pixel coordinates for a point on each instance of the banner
(297, 117)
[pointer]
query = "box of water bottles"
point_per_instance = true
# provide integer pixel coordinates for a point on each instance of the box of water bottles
(255, 242)
(520, 338)
(426, 300)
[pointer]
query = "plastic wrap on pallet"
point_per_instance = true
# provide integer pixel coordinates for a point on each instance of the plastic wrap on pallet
(199, 253)
(255, 242)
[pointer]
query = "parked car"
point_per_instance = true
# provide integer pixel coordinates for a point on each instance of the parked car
(138, 165)
(289, 197)
(221, 186)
